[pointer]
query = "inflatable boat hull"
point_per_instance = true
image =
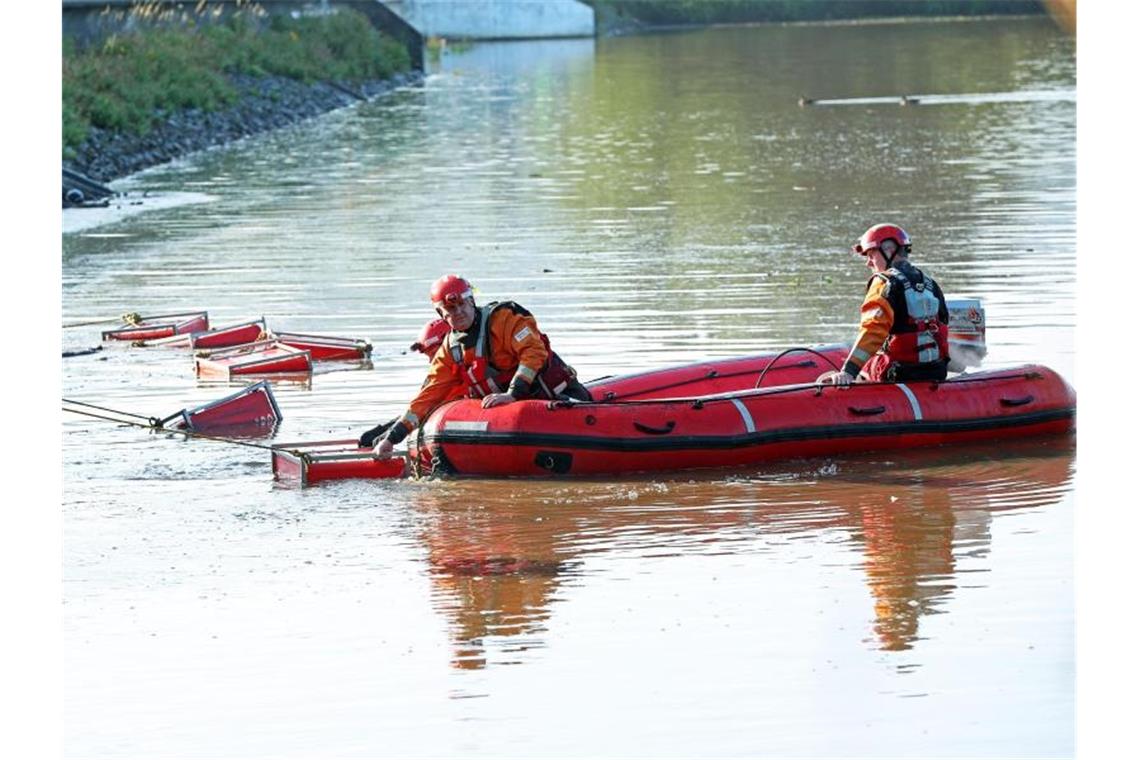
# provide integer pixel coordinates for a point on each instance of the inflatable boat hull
(640, 431)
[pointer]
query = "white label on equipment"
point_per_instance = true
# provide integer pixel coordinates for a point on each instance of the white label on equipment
(470, 426)
(522, 334)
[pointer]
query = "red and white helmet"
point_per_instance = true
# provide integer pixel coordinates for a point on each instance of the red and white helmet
(879, 234)
(450, 289)
(431, 336)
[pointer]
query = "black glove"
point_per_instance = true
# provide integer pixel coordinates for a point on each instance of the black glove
(369, 438)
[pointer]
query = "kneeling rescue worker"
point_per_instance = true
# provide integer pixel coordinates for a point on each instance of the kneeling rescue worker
(903, 324)
(431, 336)
(493, 352)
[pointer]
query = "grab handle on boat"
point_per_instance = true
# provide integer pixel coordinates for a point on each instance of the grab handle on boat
(558, 462)
(1016, 401)
(650, 430)
(866, 411)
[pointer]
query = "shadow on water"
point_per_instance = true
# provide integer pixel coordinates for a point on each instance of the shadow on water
(497, 561)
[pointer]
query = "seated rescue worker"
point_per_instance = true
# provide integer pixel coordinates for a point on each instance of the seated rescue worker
(431, 336)
(494, 352)
(903, 323)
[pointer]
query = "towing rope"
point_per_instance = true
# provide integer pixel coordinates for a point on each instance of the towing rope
(130, 318)
(153, 423)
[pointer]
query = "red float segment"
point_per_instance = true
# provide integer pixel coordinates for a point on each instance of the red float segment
(234, 335)
(326, 347)
(250, 407)
(160, 326)
(219, 337)
(261, 358)
(308, 463)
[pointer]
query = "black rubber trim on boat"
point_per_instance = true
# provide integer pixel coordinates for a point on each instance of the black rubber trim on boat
(760, 438)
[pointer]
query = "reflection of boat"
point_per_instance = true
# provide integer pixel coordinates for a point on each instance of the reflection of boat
(158, 326)
(253, 407)
(261, 358)
(713, 414)
(917, 524)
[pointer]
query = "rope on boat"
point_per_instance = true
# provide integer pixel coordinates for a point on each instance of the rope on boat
(792, 350)
(709, 376)
(778, 391)
(153, 423)
(714, 373)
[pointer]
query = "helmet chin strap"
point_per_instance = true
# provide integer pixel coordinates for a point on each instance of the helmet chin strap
(889, 258)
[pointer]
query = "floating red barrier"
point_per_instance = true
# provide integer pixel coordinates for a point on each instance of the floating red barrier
(326, 347)
(251, 407)
(261, 358)
(309, 463)
(159, 326)
(234, 335)
(219, 337)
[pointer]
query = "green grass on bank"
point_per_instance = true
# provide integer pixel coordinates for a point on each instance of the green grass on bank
(132, 81)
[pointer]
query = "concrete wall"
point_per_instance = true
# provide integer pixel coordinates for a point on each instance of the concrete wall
(407, 20)
(496, 19)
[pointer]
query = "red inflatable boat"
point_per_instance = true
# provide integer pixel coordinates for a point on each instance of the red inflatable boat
(737, 412)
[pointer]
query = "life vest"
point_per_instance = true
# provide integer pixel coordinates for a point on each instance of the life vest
(471, 357)
(919, 333)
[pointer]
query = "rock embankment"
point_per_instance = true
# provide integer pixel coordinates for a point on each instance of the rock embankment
(263, 103)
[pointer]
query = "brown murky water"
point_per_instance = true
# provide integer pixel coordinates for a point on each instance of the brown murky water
(654, 200)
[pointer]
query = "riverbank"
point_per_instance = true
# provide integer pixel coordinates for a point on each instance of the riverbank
(262, 104)
(166, 84)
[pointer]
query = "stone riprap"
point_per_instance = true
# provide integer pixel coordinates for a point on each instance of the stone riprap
(263, 103)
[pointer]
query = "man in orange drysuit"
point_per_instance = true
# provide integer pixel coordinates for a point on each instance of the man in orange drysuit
(495, 352)
(431, 336)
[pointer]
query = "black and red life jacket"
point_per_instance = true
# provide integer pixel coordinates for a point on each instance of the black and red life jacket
(919, 333)
(471, 353)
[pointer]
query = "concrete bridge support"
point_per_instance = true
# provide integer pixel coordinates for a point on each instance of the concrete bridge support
(496, 19)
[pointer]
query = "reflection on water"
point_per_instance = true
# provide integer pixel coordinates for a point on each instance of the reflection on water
(497, 559)
(653, 200)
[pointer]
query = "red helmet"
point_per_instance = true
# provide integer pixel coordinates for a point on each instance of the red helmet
(451, 289)
(431, 336)
(879, 234)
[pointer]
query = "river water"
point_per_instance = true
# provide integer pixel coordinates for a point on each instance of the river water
(653, 200)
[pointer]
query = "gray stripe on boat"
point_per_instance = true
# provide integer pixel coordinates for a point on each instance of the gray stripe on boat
(749, 426)
(913, 401)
